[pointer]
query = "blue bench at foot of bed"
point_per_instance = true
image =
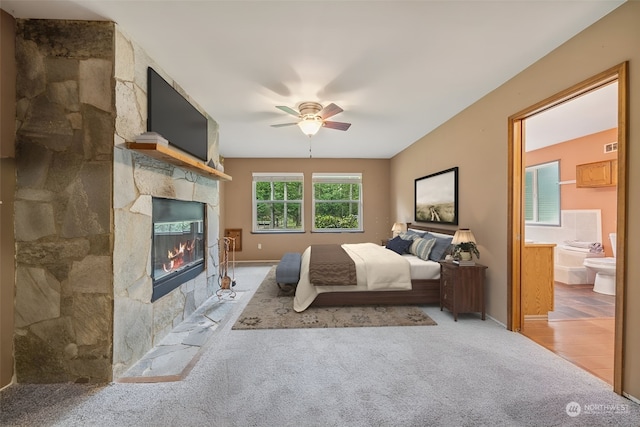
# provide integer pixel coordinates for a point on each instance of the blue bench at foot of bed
(288, 271)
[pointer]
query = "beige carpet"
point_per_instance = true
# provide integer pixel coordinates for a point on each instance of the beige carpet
(270, 308)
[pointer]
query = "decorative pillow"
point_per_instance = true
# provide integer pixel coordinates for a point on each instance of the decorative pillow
(415, 233)
(422, 247)
(398, 245)
(407, 236)
(440, 248)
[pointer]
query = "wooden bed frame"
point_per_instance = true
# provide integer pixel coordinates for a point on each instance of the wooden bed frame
(422, 292)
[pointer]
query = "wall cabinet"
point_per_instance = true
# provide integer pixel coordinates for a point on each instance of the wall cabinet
(597, 174)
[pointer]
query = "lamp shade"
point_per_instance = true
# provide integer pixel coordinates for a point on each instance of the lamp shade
(310, 125)
(463, 235)
(398, 227)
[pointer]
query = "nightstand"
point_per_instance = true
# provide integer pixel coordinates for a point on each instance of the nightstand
(462, 288)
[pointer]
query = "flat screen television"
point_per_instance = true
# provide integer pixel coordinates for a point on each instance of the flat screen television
(173, 117)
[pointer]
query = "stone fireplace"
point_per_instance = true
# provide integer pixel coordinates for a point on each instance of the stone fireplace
(85, 305)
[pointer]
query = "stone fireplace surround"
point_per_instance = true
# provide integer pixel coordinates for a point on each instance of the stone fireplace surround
(83, 206)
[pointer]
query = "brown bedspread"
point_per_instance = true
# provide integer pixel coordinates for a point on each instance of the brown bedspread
(330, 265)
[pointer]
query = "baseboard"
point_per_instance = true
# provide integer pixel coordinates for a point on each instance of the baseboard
(631, 398)
(258, 262)
(536, 317)
(497, 321)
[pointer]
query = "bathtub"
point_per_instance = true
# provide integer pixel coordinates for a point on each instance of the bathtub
(568, 265)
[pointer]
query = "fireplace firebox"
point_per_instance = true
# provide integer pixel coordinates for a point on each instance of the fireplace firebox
(178, 243)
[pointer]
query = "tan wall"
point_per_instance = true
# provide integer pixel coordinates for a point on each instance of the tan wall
(587, 149)
(7, 189)
(476, 141)
(236, 205)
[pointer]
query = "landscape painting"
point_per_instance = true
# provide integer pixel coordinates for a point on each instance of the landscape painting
(436, 197)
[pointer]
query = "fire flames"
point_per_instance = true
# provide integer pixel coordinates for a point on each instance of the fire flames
(176, 257)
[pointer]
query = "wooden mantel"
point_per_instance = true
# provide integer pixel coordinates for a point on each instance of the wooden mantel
(170, 155)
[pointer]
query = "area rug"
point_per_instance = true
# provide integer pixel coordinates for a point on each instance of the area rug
(270, 308)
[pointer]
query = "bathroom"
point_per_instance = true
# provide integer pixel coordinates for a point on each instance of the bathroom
(570, 209)
(583, 232)
(581, 245)
(571, 163)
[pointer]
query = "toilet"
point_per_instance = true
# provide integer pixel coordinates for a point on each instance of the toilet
(568, 265)
(605, 269)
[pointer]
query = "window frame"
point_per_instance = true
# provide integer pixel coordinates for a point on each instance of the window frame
(336, 178)
(274, 177)
(535, 198)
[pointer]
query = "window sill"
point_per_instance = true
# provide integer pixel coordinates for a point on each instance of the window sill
(278, 232)
(336, 231)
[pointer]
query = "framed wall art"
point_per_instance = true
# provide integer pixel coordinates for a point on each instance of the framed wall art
(436, 197)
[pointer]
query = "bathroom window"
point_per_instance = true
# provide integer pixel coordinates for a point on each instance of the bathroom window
(542, 194)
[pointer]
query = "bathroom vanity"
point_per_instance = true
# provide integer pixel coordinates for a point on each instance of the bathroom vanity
(537, 280)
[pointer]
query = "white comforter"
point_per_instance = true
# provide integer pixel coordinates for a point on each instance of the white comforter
(377, 269)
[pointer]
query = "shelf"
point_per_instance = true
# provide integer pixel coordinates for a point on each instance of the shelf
(172, 156)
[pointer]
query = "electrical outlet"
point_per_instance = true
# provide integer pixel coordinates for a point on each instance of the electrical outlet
(259, 245)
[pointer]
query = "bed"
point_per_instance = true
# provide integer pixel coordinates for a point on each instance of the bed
(421, 285)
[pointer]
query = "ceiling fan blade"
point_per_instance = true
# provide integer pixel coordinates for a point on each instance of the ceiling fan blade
(330, 110)
(337, 125)
(283, 125)
(288, 110)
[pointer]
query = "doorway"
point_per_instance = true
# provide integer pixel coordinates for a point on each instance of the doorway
(516, 244)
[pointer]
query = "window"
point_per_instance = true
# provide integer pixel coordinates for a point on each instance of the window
(277, 202)
(542, 194)
(337, 201)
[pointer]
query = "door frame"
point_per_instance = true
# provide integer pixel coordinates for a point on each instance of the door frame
(515, 226)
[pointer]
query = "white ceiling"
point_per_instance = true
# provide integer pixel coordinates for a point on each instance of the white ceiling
(592, 112)
(399, 69)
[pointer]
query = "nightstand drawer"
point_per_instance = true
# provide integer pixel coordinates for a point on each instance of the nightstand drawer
(447, 281)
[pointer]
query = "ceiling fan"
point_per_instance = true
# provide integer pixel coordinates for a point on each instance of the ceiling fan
(312, 117)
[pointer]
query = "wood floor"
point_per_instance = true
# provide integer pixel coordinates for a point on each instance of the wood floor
(580, 329)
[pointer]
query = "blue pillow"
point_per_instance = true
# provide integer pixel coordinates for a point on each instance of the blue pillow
(398, 245)
(440, 248)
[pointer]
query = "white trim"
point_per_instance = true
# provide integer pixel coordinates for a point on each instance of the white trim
(278, 177)
(497, 321)
(275, 177)
(336, 178)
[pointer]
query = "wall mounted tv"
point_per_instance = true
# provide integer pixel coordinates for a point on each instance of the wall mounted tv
(173, 117)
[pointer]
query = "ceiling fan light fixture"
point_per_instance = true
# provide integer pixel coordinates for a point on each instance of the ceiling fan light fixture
(312, 116)
(310, 125)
